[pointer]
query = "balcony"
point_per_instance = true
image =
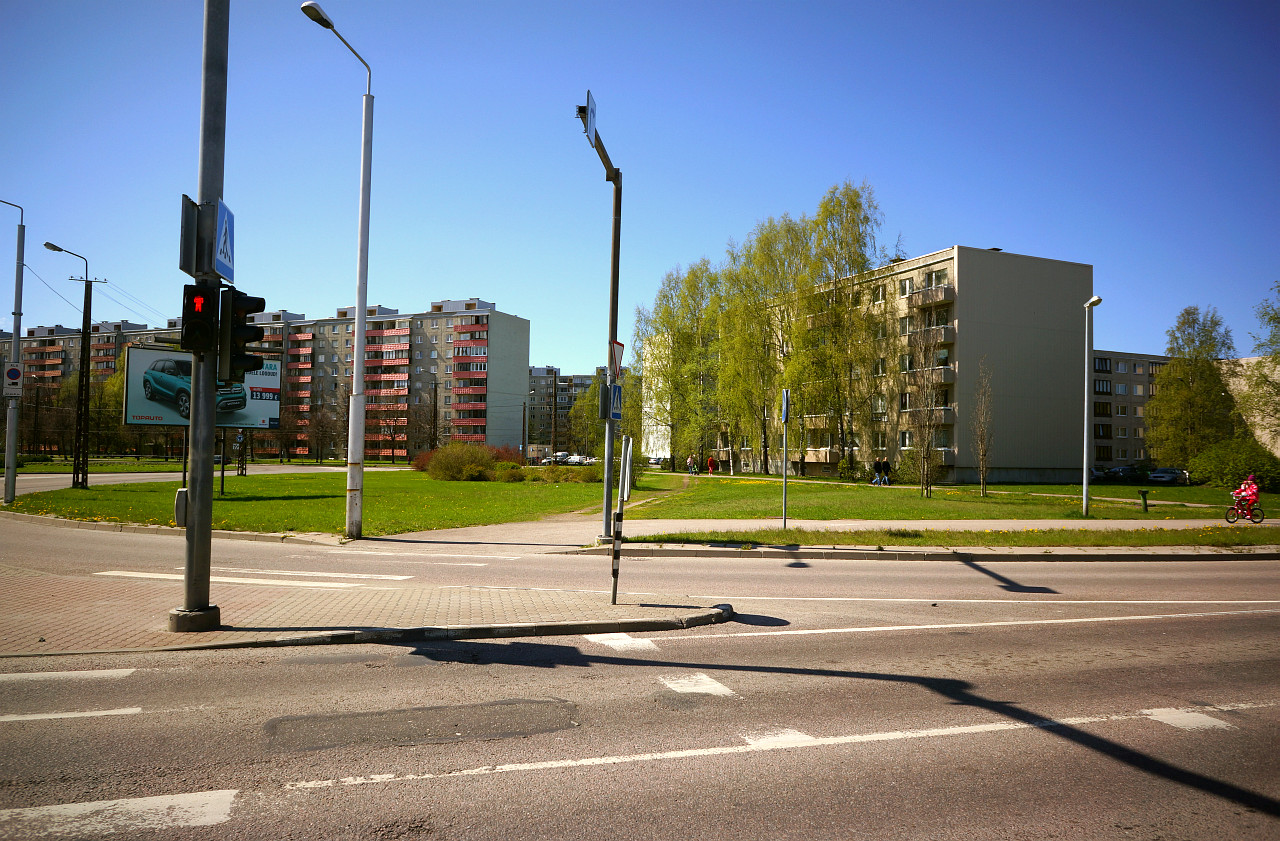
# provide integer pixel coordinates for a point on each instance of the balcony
(929, 297)
(478, 439)
(471, 389)
(103, 345)
(294, 365)
(300, 350)
(377, 334)
(301, 337)
(469, 407)
(471, 343)
(942, 415)
(368, 363)
(471, 328)
(470, 375)
(931, 376)
(102, 358)
(386, 407)
(391, 392)
(384, 377)
(305, 379)
(273, 337)
(469, 421)
(942, 335)
(400, 346)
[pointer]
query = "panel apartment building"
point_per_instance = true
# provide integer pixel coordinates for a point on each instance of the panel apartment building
(462, 362)
(1020, 317)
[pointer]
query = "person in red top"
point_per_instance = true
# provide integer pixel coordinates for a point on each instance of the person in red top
(1248, 492)
(711, 465)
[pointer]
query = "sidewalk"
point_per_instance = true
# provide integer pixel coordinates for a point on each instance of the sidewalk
(43, 613)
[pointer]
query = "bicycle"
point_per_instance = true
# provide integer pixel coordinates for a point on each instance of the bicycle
(1242, 508)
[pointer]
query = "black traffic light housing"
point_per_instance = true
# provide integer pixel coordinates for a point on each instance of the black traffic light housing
(234, 359)
(199, 318)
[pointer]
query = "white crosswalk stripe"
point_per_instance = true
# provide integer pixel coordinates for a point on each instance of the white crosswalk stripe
(697, 683)
(1187, 719)
(623, 642)
(87, 674)
(133, 815)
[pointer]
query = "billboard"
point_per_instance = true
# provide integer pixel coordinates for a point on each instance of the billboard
(157, 392)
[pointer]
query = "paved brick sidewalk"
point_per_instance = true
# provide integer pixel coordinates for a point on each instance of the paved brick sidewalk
(52, 614)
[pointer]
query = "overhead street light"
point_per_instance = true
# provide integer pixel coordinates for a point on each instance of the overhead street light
(1088, 355)
(356, 419)
(80, 446)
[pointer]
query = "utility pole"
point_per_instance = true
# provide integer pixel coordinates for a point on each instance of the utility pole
(196, 614)
(11, 414)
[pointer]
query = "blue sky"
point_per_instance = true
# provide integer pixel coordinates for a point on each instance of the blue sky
(1139, 137)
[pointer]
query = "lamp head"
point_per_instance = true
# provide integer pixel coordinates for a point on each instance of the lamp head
(312, 10)
(52, 247)
(1093, 302)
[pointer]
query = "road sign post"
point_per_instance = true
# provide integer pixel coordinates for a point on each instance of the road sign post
(13, 379)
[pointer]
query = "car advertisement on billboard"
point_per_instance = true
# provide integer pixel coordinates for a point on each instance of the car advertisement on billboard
(158, 392)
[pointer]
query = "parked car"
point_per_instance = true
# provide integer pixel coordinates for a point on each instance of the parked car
(1124, 473)
(1167, 476)
(170, 380)
(1095, 475)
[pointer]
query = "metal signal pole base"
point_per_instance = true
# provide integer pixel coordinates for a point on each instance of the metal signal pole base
(192, 621)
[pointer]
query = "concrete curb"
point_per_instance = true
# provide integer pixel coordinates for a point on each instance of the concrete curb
(867, 553)
(719, 613)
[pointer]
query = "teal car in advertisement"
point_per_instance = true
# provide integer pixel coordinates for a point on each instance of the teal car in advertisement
(169, 380)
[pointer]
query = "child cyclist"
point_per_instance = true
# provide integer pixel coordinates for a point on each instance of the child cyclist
(1247, 494)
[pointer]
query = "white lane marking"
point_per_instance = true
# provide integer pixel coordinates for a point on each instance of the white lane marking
(88, 674)
(723, 597)
(697, 683)
(947, 626)
(780, 739)
(761, 746)
(85, 714)
(101, 817)
(224, 580)
(1187, 719)
(623, 642)
(316, 574)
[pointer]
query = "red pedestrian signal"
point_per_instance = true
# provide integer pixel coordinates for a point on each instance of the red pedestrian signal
(199, 319)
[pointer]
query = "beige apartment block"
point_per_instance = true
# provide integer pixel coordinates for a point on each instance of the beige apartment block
(1021, 318)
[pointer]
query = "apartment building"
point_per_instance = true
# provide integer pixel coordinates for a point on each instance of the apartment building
(460, 368)
(1021, 318)
(549, 429)
(456, 372)
(1121, 385)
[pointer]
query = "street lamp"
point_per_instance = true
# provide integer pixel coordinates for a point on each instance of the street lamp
(80, 447)
(1088, 354)
(355, 426)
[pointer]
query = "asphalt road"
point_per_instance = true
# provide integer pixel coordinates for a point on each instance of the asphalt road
(850, 699)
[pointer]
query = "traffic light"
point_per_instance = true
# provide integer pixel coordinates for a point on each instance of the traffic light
(234, 359)
(199, 318)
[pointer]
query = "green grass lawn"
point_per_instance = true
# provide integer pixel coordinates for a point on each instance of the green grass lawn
(757, 497)
(394, 502)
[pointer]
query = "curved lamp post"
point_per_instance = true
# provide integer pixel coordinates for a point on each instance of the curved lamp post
(356, 420)
(1088, 354)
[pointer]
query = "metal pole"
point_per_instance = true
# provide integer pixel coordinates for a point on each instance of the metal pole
(356, 420)
(196, 614)
(11, 413)
(1088, 353)
(610, 425)
(784, 475)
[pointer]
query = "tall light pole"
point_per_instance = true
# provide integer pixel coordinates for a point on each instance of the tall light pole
(355, 426)
(80, 448)
(11, 414)
(1088, 375)
(587, 113)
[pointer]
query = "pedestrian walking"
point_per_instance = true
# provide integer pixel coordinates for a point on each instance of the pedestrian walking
(688, 463)
(711, 465)
(875, 472)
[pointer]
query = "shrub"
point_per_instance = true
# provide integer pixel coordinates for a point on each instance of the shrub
(421, 460)
(851, 470)
(1227, 463)
(507, 453)
(505, 471)
(461, 462)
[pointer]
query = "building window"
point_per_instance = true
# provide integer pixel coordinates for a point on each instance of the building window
(1122, 388)
(877, 294)
(942, 439)
(904, 401)
(1138, 411)
(1102, 364)
(1138, 389)
(1102, 430)
(1102, 452)
(880, 440)
(905, 439)
(1122, 432)
(1122, 410)
(1124, 452)
(1102, 410)
(1102, 386)
(904, 286)
(938, 277)
(1122, 367)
